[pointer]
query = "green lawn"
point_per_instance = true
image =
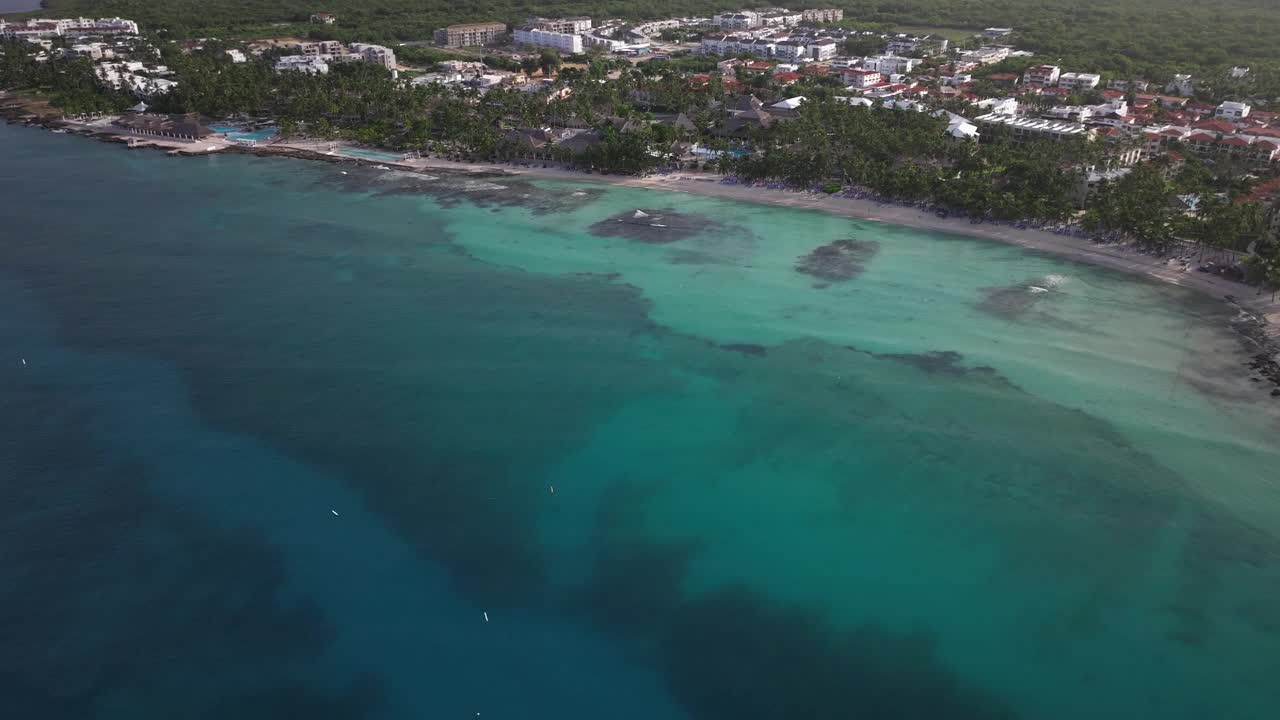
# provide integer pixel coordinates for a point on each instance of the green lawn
(952, 34)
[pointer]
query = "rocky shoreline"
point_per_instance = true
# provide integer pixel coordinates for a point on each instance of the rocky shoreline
(1260, 343)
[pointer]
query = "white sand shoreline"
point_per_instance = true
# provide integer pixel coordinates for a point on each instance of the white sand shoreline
(1117, 257)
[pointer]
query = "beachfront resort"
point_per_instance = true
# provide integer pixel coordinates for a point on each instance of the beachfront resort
(736, 93)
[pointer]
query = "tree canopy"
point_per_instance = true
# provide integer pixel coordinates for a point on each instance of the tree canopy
(1146, 37)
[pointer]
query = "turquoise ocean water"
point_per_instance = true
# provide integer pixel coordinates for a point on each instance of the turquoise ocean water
(284, 442)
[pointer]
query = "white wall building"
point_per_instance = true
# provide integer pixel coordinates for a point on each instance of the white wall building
(743, 20)
(861, 78)
(822, 15)
(31, 29)
(780, 18)
(101, 26)
(608, 44)
(719, 44)
(890, 64)
(1079, 81)
(1032, 129)
(375, 55)
(568, 26)
(654, 27)
(44, 27)
(440, 78)
(760, 47)
(986, 55)
(1042, 75)
(792, 49)
(1232, 111)
(962, 129)
(321, 49)
(84, 51)
(999, 106)
(927, 45)
(331, 51)
(823, 49)
(302, 63)
(564, 42)
(1183, 85)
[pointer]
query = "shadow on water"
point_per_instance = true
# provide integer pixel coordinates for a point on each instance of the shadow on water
(442, 396)
(838, 260)
(982, 457)
(734, 655)
(1014, 302)
(655, 226)
(438, 394)
(487, 190)
(635, 583)
(113, 599)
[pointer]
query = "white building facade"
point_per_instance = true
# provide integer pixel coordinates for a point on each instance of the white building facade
(792, 49)
(890, 64)
(568, 26)
(823, 49)
(302, 63)
(1042, 75)
(1232, 111)
(744, 20)
(822, 15)
(1079, 81)
(564, 42)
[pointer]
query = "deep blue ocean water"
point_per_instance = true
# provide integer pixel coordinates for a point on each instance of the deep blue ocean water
(286, 442)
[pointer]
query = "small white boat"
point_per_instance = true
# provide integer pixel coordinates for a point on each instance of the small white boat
(1037, 289)
(657, 225)
(335, 513)
(640, 214)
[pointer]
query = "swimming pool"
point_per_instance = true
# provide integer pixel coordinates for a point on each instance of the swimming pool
(702, 152)
(371, 154)
(236, 133)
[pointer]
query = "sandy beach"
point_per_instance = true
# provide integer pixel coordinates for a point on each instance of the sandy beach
(1115, 256)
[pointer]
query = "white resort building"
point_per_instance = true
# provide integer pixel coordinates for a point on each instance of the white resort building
(564, 42)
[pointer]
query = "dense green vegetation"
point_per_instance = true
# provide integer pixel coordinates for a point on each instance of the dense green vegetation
(1139, 206)
(69, 85)
(828, 145)
(907, 155)
(1141, 37)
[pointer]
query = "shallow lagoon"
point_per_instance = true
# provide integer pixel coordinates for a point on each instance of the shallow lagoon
(924, 490)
